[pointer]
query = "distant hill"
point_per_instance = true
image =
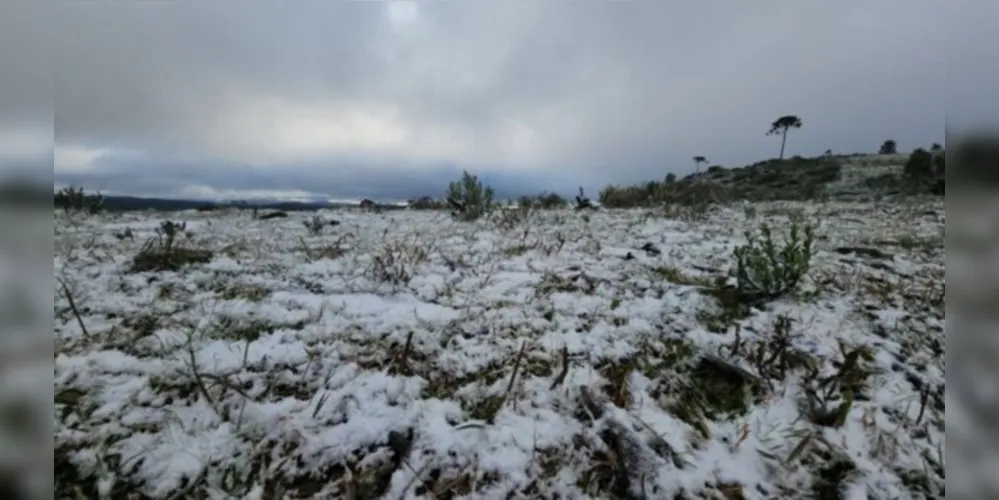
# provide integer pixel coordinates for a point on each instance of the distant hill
(129, 203)
(34, 195)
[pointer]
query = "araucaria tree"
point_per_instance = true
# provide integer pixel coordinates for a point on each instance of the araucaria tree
(780, 127)
(698, 160)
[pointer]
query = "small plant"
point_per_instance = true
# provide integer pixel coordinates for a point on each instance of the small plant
(162, 253)
(508, 219)
(168, 231)
(764, 268)
(315, 225)
(469, 197)
(396, 263)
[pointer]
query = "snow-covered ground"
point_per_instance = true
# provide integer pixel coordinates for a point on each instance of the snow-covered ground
(406, 355)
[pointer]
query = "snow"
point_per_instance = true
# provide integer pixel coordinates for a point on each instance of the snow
(267, 372)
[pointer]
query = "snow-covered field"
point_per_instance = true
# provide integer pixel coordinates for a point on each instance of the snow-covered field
(406, 355)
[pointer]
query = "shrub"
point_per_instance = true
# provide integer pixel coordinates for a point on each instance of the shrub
(888, 147)
(939, 164)
(765, 268)
(73, 199)
(630, 196)
(315, 226)
(426, 203)
(470, 197)
(924, 172)
(697, 192)
(508, 219)
(161, 253)
(543, 200)
(919, 164)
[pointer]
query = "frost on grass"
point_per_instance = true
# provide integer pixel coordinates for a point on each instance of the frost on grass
(616, 354)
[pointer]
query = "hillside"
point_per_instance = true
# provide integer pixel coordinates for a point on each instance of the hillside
(841, 178)
(844, 177)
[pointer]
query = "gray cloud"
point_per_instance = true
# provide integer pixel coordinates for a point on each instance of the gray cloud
(25, 91)
(334, 97)
(187, 177)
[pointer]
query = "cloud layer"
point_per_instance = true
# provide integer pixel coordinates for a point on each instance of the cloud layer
(391, 100)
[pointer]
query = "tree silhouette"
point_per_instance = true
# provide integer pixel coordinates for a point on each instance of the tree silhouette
(698, 160)
(888, 147)
(780, 127)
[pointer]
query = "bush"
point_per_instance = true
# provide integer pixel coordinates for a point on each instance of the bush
(426, 203)
(73, 199)
(924, 172)
(315, 226)
(939, 164)
(919, 165)
(697, 192)
(543, 200)
(470, 197)
(764, 268)
(631, 196)
(162, 253)
(888, 147)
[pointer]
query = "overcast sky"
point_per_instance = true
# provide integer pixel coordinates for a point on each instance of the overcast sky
(392, 99)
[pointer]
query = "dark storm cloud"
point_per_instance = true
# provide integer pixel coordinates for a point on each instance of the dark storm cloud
(533, 94)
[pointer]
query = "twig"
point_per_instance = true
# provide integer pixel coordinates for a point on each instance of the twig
(565, 369)
(509, 386)
(72, 307)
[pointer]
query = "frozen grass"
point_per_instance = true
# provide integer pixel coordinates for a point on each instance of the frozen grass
(405, 355)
